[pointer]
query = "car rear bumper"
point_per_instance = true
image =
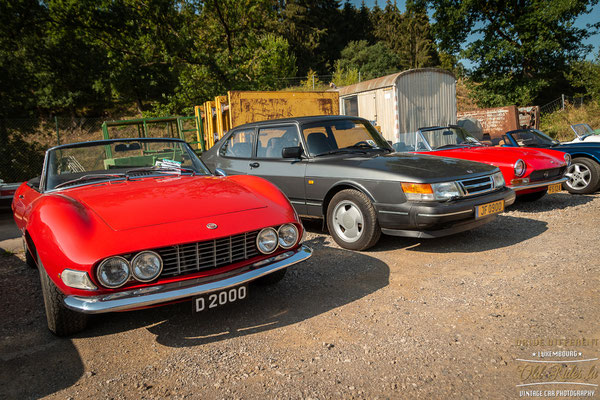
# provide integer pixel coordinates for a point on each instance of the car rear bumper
(536, 185)
(430, 220)
(154, 295)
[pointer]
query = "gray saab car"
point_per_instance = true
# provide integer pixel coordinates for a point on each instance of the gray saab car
(341, 169)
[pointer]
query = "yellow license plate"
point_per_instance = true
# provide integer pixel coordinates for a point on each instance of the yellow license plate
(557, 187)
(489, 209)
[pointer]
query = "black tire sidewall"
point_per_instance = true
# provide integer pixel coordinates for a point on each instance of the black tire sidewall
(371, 229)
(594, 179)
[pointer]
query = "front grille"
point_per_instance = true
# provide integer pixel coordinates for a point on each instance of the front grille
(547, 174)
(193, 257)
(476, 186)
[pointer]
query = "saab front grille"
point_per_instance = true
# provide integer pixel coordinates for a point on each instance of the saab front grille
(201, 256)
(476, 186)
(547, 174)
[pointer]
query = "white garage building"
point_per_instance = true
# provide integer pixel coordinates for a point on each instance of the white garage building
(403, 102)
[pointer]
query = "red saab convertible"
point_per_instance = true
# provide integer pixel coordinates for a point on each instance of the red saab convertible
(531, 173)
(126, 224)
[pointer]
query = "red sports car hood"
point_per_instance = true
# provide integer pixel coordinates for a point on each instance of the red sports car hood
(536, 158)
(153, 201)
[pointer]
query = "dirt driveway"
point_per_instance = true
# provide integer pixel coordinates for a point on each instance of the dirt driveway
(469, 316)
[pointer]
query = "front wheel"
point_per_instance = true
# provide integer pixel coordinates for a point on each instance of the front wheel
(584, 176)
(61, 320)
(352, 220)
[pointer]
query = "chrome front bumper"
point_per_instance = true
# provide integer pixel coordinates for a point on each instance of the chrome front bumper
(534, 185)
(152, 295)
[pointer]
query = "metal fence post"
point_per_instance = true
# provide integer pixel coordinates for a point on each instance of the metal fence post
(313, 79)
(358, 76)
(563, 101)
(57, 131)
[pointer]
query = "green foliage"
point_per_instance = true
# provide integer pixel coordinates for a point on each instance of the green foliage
(585, 77)
(371, 60)
(344, 77)
(521, 49)
(557, 124)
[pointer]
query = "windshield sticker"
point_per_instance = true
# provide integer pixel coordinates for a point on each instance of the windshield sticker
(169, 164)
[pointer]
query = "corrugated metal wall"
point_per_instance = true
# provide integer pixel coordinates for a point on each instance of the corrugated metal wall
(425, 98)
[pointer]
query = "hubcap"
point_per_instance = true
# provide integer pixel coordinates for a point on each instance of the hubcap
(579, 176)
(348, 221)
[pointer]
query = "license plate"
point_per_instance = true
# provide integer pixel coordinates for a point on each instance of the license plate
(220, 298)
(489, 209)
(557, 187)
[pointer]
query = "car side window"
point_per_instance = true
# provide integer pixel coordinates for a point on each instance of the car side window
(271, 141)
(238, 145)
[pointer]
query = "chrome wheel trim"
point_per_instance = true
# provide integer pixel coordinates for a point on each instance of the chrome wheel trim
(348, 221)
(579, 176)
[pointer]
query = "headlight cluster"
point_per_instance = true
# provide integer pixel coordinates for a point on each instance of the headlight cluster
(268, 239)
(520, 168)
(498, 180)
(114, 272)
(430, 191)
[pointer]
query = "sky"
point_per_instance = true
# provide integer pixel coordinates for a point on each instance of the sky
(581, 22)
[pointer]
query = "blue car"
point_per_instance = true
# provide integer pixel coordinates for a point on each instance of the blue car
(584, 171)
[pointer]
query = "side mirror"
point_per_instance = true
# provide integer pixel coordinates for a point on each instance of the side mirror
(220, 172)
(291, 152)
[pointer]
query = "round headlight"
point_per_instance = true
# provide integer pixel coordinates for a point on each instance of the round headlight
(146, 266)
(267, 240)
(568, 159)
(288, 235)
(113, 272)
(520, 168)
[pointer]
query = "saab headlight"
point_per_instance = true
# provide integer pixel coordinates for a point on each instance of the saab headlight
(417, 191)
(520, 168)
(114, 272)
(267, 240)
(77, 279)
(146, 266)
(498, 180)
(445, 190)
(568, 159)
(430, 192)
(288, 235)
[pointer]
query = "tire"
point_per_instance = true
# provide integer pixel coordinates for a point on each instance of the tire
(359, 228)
(584, 176)
(29, 259)
(532, 196)
(61, 320)
(272, 278)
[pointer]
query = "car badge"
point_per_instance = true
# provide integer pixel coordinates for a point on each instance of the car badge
(211, 226)
(546, 174)
(469, 171)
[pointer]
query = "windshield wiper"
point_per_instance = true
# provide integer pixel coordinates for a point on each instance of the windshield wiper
(91, 177)
(339, 151)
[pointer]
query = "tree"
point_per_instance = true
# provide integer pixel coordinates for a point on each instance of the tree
(521, 50)
(416, 45)
(372, 61)
(585, 78)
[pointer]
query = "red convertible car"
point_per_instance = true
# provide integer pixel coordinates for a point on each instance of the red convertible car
(531, 173)
(120, 225)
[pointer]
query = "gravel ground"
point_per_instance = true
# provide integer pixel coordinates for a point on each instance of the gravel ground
(444, 318)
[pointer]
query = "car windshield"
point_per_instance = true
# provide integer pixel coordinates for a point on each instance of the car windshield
(583, 130)
(532, 138)
(434, 139)
(89, 163)
(341, 136)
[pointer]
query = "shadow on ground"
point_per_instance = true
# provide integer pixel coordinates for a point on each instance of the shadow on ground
(34, 363)
(552, 202)
(330, 279)
(503, 231)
